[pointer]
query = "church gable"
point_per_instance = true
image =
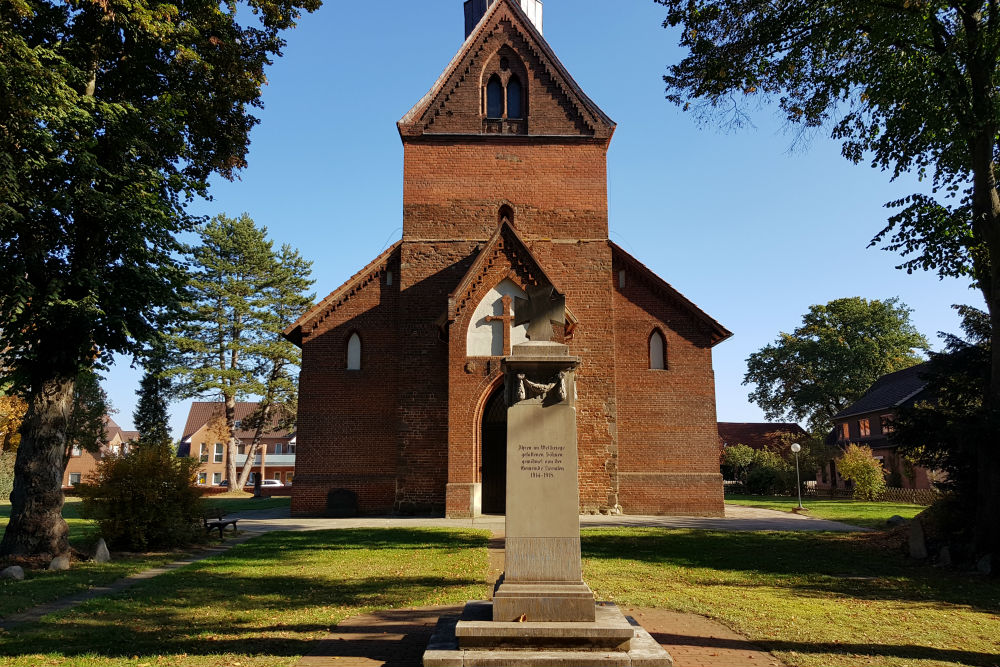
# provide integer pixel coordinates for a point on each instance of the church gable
(506, 81)
(383, 270)
(504, 256)
(628, 270)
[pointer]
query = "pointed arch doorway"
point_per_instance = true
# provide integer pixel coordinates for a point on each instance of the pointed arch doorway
(493, 437)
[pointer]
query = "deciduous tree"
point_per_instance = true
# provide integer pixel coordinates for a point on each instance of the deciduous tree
(830, 361)
(910, 85)
(113, 115)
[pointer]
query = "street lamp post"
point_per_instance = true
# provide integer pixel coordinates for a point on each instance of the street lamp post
(796, 448)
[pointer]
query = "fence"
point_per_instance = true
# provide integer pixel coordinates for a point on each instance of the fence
(914, 496)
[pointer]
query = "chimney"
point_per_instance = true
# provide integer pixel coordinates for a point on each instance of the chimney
(476, 9)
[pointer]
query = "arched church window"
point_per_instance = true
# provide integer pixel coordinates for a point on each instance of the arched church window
(657, 351)
(354, 352)
(514, 98)
(494, 98)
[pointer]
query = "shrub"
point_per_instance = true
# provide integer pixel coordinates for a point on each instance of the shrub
(739, 458)
(145, 499)
(770, 474)
(861, 467)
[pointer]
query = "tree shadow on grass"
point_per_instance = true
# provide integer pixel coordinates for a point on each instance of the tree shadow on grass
(254, 599)
(820, 564)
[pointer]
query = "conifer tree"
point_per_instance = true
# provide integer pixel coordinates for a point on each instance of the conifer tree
(242, 296)
(151, 417)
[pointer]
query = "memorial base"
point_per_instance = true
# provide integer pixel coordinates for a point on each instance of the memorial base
(543, 601)
(474, 640)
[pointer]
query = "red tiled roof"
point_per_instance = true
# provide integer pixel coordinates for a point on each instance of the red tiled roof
(756, 435)
(203, 412)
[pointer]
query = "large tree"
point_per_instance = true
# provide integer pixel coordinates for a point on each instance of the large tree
(150, 416)
(113, 115)
(832, 359)
(912, 85)
(243, 294)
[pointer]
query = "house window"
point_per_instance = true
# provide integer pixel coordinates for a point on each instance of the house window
(74, 478)
(203, 452)
(216, 478)
(388, 278)
(657, 352)
(241, 449)
(494, 98)
(202, 478)
(845, 431)
(278, 448)
(218, 452)
(354, 353)
(76, 451)
(621, 279)
(277, 476)
(886, 422)
(864, 428)
(289, 477)
(514, 98)
(238, 424)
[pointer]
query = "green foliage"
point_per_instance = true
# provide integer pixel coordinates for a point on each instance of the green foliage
(738, 458)
(113, 116)
(941, 432)
(145, 499)
(832, 359)
(858, 465)
(770, 474)
(244, 293)
(86, 427)
(150, 416)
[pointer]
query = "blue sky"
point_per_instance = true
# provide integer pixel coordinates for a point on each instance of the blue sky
(750, 229)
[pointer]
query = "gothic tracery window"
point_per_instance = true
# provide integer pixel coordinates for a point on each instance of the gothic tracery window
(494, 98)
(514, 106)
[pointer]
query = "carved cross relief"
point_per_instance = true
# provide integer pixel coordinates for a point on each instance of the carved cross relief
(505, 320)
(492, 331)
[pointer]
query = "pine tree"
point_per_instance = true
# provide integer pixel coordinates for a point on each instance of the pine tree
(150, 416)
(242, 294)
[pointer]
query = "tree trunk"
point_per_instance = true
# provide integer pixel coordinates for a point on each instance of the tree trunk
(36, 524)
(231, 448)
(988, 448)
(986, 228)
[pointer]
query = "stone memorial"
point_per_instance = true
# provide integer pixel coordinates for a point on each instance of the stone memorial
(542, 612)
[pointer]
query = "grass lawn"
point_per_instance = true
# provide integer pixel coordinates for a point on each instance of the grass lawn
(232, 505)
(43, 586)
(814, 600)
(261, 603)
(855, 512)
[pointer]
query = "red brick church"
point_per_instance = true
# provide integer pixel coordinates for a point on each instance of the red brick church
(505, 187)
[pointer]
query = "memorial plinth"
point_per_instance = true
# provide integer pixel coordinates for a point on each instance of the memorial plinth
(543, 578)
(542, 613)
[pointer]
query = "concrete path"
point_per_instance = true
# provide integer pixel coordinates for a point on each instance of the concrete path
(738, 518)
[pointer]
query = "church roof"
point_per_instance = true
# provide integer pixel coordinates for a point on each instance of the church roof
(315, 315)
(417, 119)
(718, 333)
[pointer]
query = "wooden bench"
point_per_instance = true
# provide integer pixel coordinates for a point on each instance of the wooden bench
(214, 520)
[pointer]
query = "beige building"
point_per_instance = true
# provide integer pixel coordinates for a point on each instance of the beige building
(205, 437)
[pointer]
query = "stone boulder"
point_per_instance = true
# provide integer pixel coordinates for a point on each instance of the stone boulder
(101, 553)
(59, 563)
(895, 520)
(14, 572)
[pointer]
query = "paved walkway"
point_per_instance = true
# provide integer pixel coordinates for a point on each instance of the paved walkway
(397, 638)
(738, 518)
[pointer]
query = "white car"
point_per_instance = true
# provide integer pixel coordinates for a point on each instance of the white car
(267, 482)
